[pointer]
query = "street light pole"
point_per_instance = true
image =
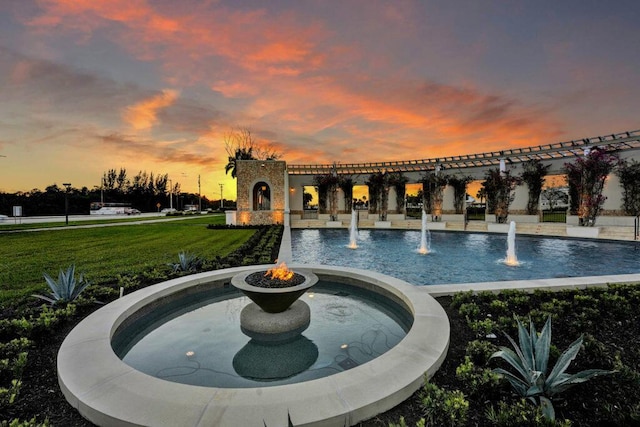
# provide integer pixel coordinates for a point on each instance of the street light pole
(221, 199)
(199, 197)
(66, 203)
(171, 195)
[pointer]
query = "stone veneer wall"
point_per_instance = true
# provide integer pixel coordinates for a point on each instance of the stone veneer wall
(250, 172)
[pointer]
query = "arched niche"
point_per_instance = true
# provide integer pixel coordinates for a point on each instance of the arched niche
(261, 196)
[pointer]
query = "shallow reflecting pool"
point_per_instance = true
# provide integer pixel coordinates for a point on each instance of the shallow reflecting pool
(463, 257)
(197, 340)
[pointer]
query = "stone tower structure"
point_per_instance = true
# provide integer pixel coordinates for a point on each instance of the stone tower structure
(261, 192)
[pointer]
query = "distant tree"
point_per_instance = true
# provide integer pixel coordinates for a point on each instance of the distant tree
(555, 196)
(307, 198)
(482, 194)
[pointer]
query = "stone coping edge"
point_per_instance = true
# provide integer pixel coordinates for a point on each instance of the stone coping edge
(108, 392)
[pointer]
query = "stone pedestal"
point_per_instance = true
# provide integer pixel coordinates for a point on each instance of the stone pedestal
(271, 327)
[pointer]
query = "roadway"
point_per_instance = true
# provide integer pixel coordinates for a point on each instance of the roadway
(61, 218)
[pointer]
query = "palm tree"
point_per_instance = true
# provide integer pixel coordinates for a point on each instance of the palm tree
(240, 154)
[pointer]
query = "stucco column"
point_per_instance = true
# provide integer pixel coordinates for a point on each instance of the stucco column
(519, 204)
(287, 211)
(448, 200)
(613, 192)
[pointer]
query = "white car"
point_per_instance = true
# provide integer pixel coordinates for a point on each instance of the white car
(3, 218)
(168, 210)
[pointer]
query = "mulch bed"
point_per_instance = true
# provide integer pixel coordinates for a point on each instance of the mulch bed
(263, 279)
(40, 395)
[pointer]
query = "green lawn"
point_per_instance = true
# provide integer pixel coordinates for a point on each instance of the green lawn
(103, 252)
(10, 225)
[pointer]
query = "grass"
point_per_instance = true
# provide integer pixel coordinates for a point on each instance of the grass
(608, 317)
(10, 225)
(104, 252)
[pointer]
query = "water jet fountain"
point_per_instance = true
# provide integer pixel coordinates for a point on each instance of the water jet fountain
(425, 236)
(353, 231)
(511, 259)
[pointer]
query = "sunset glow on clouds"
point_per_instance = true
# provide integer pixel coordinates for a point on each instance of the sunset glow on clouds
(156, 84)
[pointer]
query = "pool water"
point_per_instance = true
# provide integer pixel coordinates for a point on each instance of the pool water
(463, 257)
(197, 340)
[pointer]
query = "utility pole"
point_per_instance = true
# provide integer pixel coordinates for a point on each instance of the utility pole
(171, 195)
(199, 197)
(221, 199)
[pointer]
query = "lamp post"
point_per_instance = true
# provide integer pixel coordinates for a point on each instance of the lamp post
(66, 203)
(221, 200)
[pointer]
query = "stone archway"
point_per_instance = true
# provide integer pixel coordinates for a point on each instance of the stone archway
(261, 196)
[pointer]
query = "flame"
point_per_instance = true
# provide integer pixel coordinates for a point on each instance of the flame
(280, 272)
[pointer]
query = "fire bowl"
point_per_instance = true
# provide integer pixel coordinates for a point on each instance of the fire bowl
(273, 300)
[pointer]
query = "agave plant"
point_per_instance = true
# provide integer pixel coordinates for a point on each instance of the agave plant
(67, 288)
(529, 360)
(187, 262)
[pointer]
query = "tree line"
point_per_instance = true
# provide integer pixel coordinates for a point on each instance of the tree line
(144, 192)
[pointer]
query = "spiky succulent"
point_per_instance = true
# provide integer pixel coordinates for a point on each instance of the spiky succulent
(530, 378)
(67, 288)
(187, 263)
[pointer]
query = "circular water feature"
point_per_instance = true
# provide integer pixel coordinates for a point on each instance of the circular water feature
(367, 305)
(196, 339)
(464, 257)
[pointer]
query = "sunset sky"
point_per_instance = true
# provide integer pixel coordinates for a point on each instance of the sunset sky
(154, 85)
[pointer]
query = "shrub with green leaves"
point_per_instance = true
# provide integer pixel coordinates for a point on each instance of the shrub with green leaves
(476, 378)
(444, 408)
(520, 414)
(33, 422)
(67, 288)
(479, 351)
(529, 360)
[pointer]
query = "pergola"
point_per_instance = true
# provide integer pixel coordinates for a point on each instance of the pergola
(561, 150)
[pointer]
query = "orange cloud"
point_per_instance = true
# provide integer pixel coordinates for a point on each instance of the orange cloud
(143, 115)
(277, 65)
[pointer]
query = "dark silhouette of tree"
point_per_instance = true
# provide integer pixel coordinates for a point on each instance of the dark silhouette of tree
(241, 145)
(345, 183)
(629, 174)
(533, 175)
(499, 188)
(433, 185)
(586, 176)
(398, 181)
(459, 184)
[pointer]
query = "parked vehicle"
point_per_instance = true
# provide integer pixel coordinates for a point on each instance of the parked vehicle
(108, 208)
